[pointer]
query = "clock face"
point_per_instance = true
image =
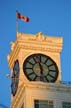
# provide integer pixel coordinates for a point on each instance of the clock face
(15, 78)
(39, 67)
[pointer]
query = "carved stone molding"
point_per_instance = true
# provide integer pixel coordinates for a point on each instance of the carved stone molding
(37, 42)
(39, 37)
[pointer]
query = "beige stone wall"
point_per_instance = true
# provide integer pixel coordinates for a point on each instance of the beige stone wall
(40, 91)
(25, 45)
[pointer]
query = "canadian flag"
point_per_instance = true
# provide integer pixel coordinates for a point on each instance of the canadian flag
(20, 16)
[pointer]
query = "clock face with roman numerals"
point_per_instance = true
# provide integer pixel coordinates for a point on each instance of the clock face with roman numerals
(40, 67)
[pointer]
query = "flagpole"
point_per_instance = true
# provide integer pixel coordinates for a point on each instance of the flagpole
(16, 23)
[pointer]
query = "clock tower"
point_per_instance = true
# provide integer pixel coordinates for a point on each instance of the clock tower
(35, 66)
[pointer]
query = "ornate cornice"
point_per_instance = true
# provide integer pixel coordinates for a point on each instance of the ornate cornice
(37, 42)
(40, 37)
(13, 55)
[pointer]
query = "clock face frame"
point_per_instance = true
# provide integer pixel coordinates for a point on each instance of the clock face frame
(15, 78)
(40, 67)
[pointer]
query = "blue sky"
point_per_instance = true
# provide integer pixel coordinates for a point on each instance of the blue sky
(52, 17)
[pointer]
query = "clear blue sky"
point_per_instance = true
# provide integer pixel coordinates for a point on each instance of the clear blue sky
(52, 17)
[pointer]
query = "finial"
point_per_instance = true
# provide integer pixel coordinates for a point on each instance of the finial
(40, 36)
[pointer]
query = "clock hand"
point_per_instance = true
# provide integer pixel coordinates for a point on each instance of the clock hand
(41, 72)
(37, 59)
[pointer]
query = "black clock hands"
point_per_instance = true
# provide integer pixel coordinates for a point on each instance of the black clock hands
(41, 72)
(37, 59)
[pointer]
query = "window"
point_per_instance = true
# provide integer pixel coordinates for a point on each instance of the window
(43, 104)
(66, 104)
